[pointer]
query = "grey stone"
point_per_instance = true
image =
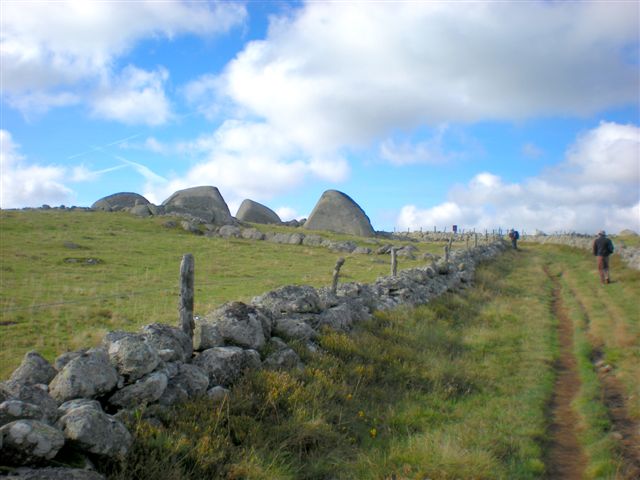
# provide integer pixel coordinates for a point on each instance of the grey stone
(132, 355)
(288, 300)
(218, 394)
(69, 405)
(29, 442)
(314, 241)
(205, 203)
(362, 251)
(294, 329)
(119, 201)
(252, 234)
(12, 410)
(33, 369)
(337, 212)
(141, 211)
(229, 231)
(191, 227)
(166, 337)
(54, 473)
(89, 375)
(66, 357)
(282, 357)
(191, 381)
(337, 318)
(240, 324)
(95, 432)
(206, 335)
(146, 390)
(255, 212)
(285, 238)
(348, 247)
(225, 365)
(33, 394)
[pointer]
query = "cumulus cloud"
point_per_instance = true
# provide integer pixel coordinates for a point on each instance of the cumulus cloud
(27, 185)
(50, 47)
(335, 74)
(595, 187)
(249, 160)
(135, 97)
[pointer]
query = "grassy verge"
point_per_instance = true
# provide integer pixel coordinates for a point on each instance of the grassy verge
(53, 301)
(455, 389)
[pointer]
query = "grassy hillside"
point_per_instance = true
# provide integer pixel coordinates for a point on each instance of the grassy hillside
(68, 277)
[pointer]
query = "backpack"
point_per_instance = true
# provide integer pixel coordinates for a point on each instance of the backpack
(516, 235)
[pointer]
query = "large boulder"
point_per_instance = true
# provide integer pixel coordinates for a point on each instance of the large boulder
(29, 442)
(34, 369)
(205, 203)
(190, 381)
(131, 354)
(89, 375)
(287, 300)
(171, 342)
(92, 430)
(255, 212)
(12, 410)
(119, 201)
(146, 390)
(339, 213)
(33, 394)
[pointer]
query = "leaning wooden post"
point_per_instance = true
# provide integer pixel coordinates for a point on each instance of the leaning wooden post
(336, 274)
(185, 308)
(394, 262)
(446, 253)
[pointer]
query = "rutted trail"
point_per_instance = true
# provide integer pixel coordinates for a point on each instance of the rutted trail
(565, 458)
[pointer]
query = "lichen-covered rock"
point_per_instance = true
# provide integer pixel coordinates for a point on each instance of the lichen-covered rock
(206, 335)
(166, 337)
(54, 473)
(29, 442)
(252, 234)
(255, 212)
(218, 394)
(33, 394)
(146, 390)
(94, 431)
(282, 356)
(89, 375)
(337, 318)
(12, 410)
(229, 231)
(314, 241)
(338, 212)
(285, 238)
(61, 361)
(190, 381)
(69, 405)
(119, 201)
(225, 365)
(288, 300)
(142, 211)
(131, 354)
(33, 369)
(241, 325)
(205, 203)
(294, 329)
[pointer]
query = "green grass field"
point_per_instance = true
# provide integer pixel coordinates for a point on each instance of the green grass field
(458, 388)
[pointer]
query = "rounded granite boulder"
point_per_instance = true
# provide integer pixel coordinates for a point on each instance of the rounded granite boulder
(119, 201)
(255, 212)
(337, 212)
(205, 203)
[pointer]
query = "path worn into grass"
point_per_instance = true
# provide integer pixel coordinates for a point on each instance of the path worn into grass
(565, 459)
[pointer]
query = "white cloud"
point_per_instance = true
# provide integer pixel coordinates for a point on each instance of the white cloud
(595, 187)
(287, 213)
(49, 48)
(336, 74)
(24, 185)
(135, 97)
(249, 160)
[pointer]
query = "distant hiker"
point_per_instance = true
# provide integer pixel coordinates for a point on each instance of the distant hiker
(514, 236)
(602, 248)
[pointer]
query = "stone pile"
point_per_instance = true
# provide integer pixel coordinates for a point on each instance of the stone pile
(79, 402)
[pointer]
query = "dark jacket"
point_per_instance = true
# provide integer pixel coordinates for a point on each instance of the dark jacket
(602, 246)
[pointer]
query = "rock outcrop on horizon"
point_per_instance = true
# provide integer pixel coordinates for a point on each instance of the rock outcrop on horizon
(255, 212)
(119, 201)
(204, 203)
(337, 212)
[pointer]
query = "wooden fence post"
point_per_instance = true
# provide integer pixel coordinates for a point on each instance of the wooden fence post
(394, 262)
(476, 240)
(336, 274)
(446, 253)
(185, 308)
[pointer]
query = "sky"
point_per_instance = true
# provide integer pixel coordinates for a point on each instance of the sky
(484, 115)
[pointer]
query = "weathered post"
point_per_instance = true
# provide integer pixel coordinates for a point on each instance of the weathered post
(394, 262)
(185, 308)
(467, 239)
(475, 235)
(336, 274)
(446, 253)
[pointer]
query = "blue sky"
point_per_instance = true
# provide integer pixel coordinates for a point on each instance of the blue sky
(479, 114)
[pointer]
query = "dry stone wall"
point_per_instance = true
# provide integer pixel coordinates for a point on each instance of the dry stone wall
(80, 401)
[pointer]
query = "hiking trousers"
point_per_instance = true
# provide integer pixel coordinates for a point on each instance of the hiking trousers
(603, 268)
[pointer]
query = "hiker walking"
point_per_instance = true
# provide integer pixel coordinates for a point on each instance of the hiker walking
(602, 248)
(514, 236)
